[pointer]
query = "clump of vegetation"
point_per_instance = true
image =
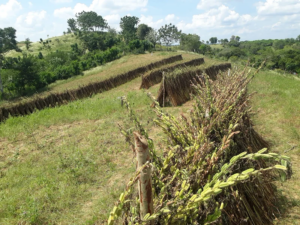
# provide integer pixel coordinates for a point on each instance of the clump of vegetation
(215, 168)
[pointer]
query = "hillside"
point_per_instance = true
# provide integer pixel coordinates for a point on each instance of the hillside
(68, 164)
(60, 43)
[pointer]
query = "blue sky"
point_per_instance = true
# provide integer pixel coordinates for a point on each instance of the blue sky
(249, 19)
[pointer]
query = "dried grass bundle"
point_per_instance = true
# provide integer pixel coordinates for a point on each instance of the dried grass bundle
(175, 89)
(212, 170)
(155, 77)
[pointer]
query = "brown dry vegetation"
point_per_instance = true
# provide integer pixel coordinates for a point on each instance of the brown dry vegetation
(175, 89)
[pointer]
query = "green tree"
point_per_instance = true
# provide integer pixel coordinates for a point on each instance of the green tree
(190, 42)
(237, 38)
(72, 24)
(7, 42)
(128, 28)
(278, 44)
(203, 49)
(142, 31)
(169, 34)
(152, 36)
(27, 79)
(213, 40)
(27, 43)
(298, 38)
(90, 21)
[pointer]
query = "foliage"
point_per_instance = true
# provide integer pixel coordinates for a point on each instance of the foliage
(138, 46)
(190, 42)
(88, 21)
(128, 28)
(7, 39)
(213, 40)
(204, 49)
(152, 36)
(169, 34)
(72, 24)
(27, 78)
(210, 163)
(27, 43)
(33, 73)
(7, 42)
(142, 31)
(280, 54)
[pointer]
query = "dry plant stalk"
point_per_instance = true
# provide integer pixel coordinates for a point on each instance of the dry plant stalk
(144, 182)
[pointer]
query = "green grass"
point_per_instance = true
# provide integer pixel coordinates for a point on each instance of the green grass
(68, 165)
(216, 46)
(277, 107)
(61, 43)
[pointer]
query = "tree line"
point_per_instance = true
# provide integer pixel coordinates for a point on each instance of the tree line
(98, 43)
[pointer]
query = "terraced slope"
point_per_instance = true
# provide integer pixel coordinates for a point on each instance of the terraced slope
(55, 99)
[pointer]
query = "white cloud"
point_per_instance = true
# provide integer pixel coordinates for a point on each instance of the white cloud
(31, 19)
(118, 5)
(219, 17)
(113, 21)
(64, 13)
(170, 18)
(149, 21)
(114, 18)
(102, 7)
(276, 26)
(10, 9)
(30, 4)
(208, 4)
(61, 1)
(278, 7)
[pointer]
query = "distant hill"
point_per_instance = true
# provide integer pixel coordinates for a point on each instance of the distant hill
(62, 43)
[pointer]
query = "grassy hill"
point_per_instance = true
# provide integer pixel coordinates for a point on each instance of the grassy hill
(68, 165)
(61, 43)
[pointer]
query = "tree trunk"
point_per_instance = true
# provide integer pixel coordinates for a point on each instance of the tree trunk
(144, 182)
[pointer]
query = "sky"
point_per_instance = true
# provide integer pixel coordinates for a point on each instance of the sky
(249, 19)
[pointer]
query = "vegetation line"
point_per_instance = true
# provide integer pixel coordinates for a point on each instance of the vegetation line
(155, 77)
(55, 99)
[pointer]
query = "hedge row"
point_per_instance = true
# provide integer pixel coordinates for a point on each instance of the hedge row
(155, 77)
(54, 99)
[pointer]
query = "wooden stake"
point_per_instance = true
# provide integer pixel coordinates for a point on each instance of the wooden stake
(144, 182)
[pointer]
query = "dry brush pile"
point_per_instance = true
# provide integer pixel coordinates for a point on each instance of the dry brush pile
(176, 87)
(155, 77)
(215, 168)
(54, 99)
